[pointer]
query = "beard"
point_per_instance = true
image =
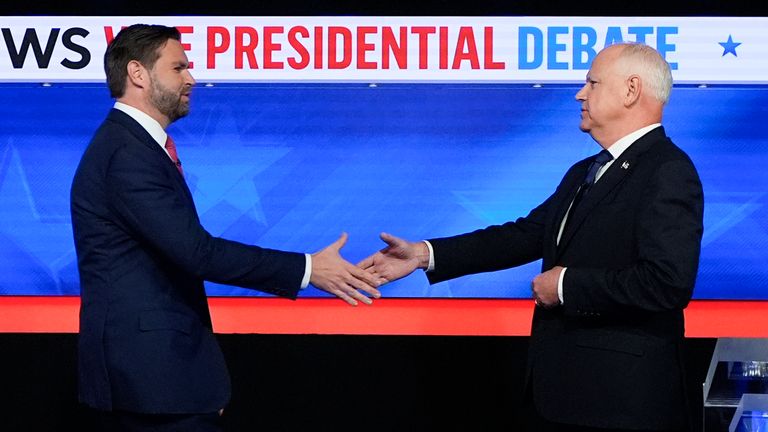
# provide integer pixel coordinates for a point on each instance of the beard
(168, 102)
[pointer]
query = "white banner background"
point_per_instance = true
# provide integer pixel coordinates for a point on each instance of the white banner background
(702, 50)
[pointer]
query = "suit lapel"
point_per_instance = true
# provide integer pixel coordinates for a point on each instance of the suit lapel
(611, 178)
(145, 138)
(565, 203)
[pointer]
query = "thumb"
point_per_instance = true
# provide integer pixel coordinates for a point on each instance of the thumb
(338, 244)
(391, 240)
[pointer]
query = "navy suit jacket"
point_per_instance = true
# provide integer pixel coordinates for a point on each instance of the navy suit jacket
(610, 355)
(146, 342)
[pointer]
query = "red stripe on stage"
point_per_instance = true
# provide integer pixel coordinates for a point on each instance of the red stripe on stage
(460, 317)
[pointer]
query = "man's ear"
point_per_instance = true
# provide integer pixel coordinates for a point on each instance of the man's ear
(137, 74)
(634, 89)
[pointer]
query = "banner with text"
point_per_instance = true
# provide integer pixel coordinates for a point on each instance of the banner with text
(700, 50)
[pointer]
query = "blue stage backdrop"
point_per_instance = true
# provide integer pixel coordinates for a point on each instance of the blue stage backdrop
(292, 166)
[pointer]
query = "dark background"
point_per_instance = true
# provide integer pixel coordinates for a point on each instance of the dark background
(392, 8)
(319, 383)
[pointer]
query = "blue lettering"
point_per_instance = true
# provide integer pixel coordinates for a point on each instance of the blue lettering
(553, 48)
(662, 46)
(538, 48)
(640, 33)
(581, 47)
(613, 36)
(532, 43)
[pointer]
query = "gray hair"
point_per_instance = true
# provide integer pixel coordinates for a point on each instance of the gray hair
(645, 61)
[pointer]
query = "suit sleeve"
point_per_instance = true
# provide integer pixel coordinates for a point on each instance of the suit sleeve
(493, 248)
(668, 239)
(144, 200)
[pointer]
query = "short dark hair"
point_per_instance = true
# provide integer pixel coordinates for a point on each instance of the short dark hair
(140, 42)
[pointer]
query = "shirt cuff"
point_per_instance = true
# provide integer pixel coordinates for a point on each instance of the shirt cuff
(431, 265)
(307, 271)
(560, 285)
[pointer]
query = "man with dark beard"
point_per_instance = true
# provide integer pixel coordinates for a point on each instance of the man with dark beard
(148, 359)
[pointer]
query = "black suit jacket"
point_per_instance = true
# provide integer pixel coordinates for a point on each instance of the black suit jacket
(610, 356)
(146, 343)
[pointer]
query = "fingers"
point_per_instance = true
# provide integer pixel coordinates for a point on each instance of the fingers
(366, 263)
(352, 283)
(390, 240)
(544, 296)
(345, 296)
(357, 282)
(346, 281)
(374, 274)
(534, 294)
(357, 295)
(349, 292)
(364, 280)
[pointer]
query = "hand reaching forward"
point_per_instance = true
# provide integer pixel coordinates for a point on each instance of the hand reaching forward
(399, 259)
(333, 274)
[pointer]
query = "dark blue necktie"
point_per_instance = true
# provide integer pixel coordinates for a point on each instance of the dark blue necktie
(601, 159)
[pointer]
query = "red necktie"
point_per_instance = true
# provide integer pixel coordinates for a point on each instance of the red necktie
(171, 147)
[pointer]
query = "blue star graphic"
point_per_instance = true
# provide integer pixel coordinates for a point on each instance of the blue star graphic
(729, 46)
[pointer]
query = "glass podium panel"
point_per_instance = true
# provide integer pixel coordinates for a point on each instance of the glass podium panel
(751, 414)
(739, 367)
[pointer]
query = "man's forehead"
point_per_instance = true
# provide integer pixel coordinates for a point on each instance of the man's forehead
(173, 51)
(600, 63)
(594, 70)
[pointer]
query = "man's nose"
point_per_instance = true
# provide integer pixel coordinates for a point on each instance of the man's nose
(581, 94)
(190, 79)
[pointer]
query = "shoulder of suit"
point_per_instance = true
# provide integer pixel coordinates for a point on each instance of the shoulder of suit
(668, 150)
(582, 163)
(114, 137)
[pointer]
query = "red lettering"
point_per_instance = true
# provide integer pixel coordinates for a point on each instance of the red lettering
(187, 47)
(216, 48)
(270, 47)
(363, 47)
(318, 47)
(299, 47)
(423, 33)
(242, 49)
(488, 47)
(389, 44)
(346, 40)
(109, 33)
(443, 47)
(466, 49)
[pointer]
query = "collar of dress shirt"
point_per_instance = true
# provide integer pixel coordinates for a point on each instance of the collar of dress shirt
(148, 123)
(623, 144)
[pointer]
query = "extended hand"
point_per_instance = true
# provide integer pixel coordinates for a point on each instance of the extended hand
(333, 274)
(544, 287)
(399, 259)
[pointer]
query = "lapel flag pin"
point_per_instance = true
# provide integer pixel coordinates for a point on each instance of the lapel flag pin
(625, 165)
